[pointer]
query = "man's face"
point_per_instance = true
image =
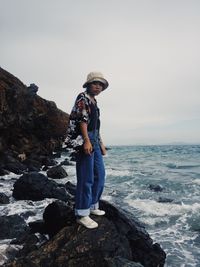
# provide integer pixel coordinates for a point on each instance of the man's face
(95, 88)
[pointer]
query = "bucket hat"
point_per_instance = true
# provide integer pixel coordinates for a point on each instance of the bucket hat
(96, 77)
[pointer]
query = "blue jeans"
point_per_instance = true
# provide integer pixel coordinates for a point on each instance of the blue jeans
(90, 173)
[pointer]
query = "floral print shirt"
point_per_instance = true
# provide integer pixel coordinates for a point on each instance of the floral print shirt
(82, 111)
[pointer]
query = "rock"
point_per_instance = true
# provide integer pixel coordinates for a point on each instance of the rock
(4, 199)
(38, 227)
(57, 215)
(47, 161)
(32, 88)
(57, 155)
(66, 162)
(165, 200)
(17, 167)
(71, 188)
(57, 172)
(143, 249)
(3, 172)
(33, 165)
(118, 241)
(156, 187)
(36, 186)
(28, 123)
(121, 262)
(29, 241)
(22, 156)
(12, 226)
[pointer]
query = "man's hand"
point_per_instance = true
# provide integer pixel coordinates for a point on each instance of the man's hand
(87, 146)
(103, 149)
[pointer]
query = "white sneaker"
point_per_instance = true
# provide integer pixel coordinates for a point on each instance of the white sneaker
(87, 222)
(97, 212)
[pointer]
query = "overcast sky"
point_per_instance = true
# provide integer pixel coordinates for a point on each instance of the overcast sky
(149, 50)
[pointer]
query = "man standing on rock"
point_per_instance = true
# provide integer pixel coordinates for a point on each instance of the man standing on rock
(84, 137)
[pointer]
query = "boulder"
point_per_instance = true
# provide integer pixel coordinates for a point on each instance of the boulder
(165, 200)
(12, 226)
(156, 187)
(66, 162)
(4, 199)
(57, 172)
(36, 186)
(71, 188)
(3, 171)
(57, 215)
(120, 240)
(33, 165)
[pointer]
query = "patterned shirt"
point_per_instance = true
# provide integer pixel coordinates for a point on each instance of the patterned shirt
(84, 110)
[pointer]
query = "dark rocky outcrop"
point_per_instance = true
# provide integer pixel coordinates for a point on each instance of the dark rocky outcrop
(57, 172)
(29, 124)
(36, 186)
(119, 240)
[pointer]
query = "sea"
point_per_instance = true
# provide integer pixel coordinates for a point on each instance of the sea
(160, 185)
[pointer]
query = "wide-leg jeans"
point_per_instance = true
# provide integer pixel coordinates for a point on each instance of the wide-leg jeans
(90, 173)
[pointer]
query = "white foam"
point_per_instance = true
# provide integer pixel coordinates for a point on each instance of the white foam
(196, 181)
(151, 207)
(118, 173)
(4, 248)
(22, 206)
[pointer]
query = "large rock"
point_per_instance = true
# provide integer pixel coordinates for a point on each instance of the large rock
(12, 226)
(4, 199)
(36, 186)
(119, 241)
(28, 123)
(57, 172)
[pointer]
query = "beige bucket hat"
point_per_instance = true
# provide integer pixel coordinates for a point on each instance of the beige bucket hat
(96, 77)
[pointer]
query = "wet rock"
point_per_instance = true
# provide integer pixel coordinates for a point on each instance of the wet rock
(3, 172)
(33, 165)
(57, 172)
(66, 162)
(118, 241)
(38, 227)
(47, 161)
(156, 187)
(71, 188)
(165, 200)
(121, 262)
(57, 215)
(12, 226)
(11, 163)
(4, 199)
(17, 167)
(36, 186)
(56, 155)
(29, 242)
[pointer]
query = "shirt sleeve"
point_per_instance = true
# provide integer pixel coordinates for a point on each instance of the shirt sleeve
(82, 109)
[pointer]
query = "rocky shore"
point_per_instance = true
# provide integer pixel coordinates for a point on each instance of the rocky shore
(31, 128)
(30, 143)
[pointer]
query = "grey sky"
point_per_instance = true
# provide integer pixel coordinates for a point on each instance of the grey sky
(147, 49)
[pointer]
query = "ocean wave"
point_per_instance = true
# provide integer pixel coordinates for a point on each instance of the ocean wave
(176, 166)
(196, 181)
(151, 207)
(118, 173)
